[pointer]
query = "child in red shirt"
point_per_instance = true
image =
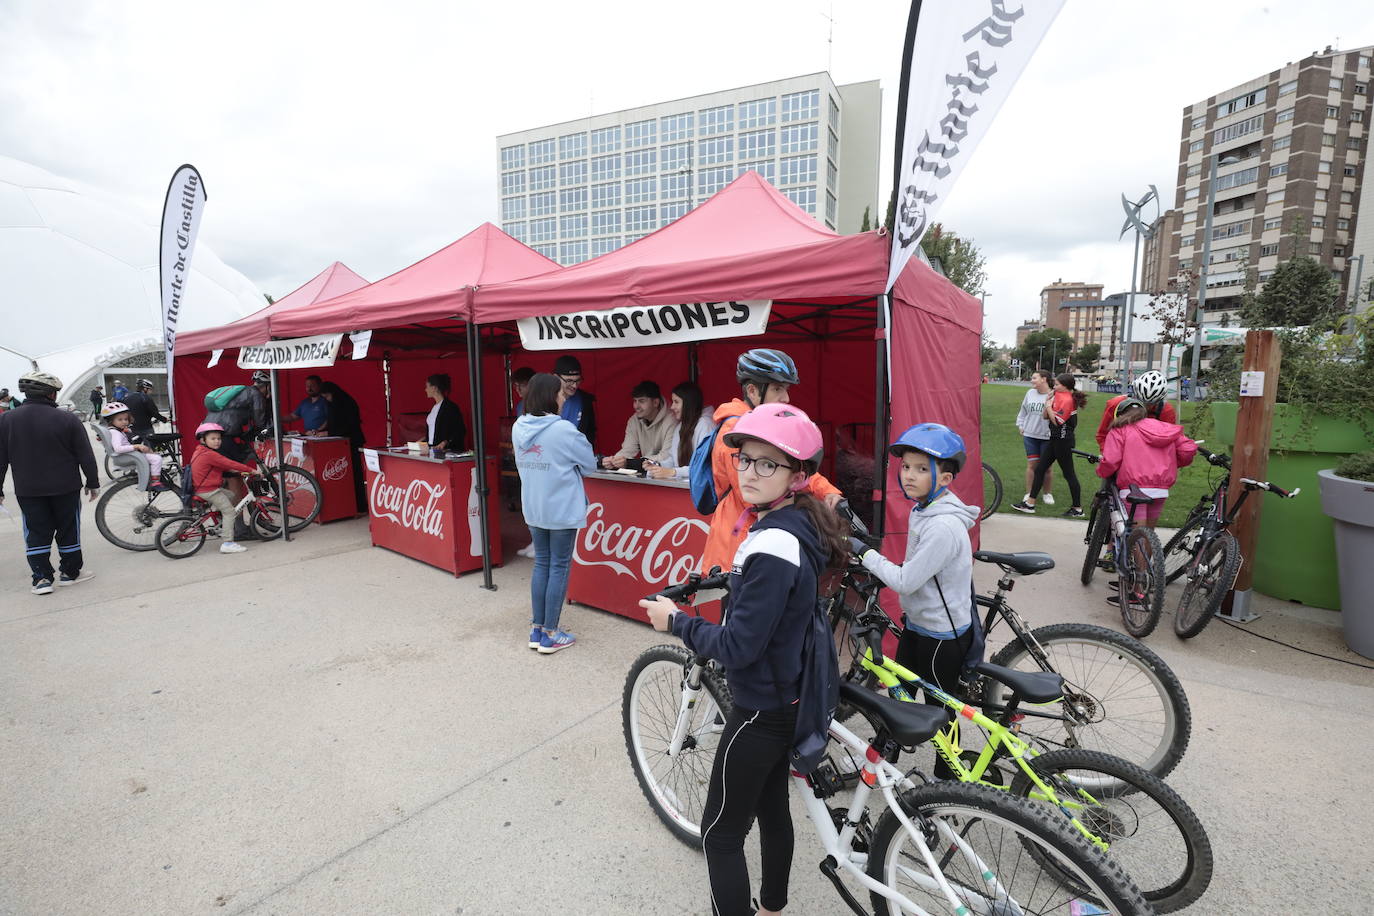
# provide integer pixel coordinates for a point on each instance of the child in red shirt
(207, 477)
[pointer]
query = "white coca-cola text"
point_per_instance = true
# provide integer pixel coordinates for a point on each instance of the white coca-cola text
(664, 554)
(415, 506)
(335, 469)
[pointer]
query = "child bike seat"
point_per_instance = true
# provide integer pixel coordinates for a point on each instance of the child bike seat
(910, 723)
(1027, 564)
(1031, 686)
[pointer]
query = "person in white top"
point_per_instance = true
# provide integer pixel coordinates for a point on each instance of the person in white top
(1032, 421)
(692, 424)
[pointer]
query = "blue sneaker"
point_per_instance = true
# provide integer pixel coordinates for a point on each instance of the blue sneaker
(552, 642)
(536, 635)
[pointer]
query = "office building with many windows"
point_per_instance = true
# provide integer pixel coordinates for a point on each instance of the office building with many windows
(582, 188)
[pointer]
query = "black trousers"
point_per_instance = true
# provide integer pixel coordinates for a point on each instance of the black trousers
(749, 779)
(49, 518)
(938, 661)
(1060, 450)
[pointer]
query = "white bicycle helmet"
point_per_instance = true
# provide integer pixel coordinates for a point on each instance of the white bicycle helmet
(1149, 386)
(111, 408)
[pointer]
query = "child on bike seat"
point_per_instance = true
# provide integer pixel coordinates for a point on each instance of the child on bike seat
(207, 477)
(794, 538)
(1146, 453)
(118, 418)
(935, 581)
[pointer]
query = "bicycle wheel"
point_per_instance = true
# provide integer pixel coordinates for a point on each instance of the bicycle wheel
(1119, 696)
(1000, 855)
(1141, 594)
(1182, 545)
(1150, 829)
(1099, 529)
(302, 496)
(180, 537)
(992, 491)
(129, 517)
(675, 786)
(1215, 573)
(844, 616)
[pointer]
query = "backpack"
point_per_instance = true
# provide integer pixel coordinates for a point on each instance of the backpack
(219, 399)
(817, 695)
(702, 476)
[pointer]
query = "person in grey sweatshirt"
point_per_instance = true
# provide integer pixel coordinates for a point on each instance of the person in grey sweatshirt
(551, 456)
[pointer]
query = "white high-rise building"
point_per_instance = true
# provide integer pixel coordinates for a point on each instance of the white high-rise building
(581, 188)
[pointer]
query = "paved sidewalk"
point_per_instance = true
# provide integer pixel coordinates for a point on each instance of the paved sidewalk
(325, 727)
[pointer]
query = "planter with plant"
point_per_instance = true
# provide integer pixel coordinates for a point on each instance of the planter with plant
(1348, 499)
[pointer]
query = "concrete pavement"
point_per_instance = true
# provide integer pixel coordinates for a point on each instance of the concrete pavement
(325, 727)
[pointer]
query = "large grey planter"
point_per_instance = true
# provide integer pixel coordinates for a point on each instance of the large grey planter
(1350, 504)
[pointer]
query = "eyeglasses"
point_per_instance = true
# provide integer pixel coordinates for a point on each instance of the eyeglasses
(763, 467)
(571, 379)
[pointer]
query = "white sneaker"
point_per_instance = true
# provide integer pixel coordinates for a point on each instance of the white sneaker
(232, 547)
(84, 576)
(1048, 498)
(527, 550)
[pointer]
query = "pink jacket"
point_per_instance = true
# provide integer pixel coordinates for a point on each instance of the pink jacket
(1146, 454)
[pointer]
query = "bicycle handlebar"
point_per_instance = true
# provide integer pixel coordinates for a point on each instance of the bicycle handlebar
(1221, 461)
(1271, 487)
(1092, 459)
(856, 524)
(678, 594)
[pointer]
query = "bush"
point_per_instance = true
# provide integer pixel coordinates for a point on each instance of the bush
(1357, 467)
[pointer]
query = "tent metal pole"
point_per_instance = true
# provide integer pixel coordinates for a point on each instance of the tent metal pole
(479, 448)
(880, 414)
(278, 484)
(386, 393)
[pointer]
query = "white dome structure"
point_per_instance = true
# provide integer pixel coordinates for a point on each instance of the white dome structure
(79, 281)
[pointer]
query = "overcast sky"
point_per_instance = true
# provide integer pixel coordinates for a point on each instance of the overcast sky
(365, 132)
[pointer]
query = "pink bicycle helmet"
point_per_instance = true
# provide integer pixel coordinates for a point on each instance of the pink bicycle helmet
(204, 428)
(782, 426)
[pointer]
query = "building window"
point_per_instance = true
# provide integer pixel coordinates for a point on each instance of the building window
(1321, 193)
(606, 195)
(1364, 63)
(1195, 146)
(1190, 216)
(1289, 87)
(834, 114)
(1352, 143)
(604, 246)
(1324, 167)
(1275, 197)
(513, 157)
(1282, 143)
(572, 146)
(572, 226)
(1240, 103)
(548, 251)
(804, 198)
(1347, 197)
(1238, 129)
(675, 158)
(543, 230)
(545, 204)
(758, 113)
(767, 169)
(669, 212)
(799, 138)
(832, 145)
(513, 208)
(1356, 117)
(1268, 250)
(605, 221)
(758, 144)
(1230, 230)
(715, 150)
(640, 133)
(830, 209)
(1336, 83)
(1273, 222)
(641, 162)
(711, 180)
(801, 106)
(604, 168)
(1314, 247)
(570, 173)
(572, 252)
(641, 190)
(1318, 222)
(1191, 194)
(1328, 139)
(1198, 122)
(1193, 170)
(543, 177)
(1332, 111)
(1285, 115)
(606, 140)
(676, 127)
(641, 219)
(571, 200)
(832, 175)
(1338, 251)
(1342, 224)
(514, 230)
(1349, 170)
(1280, 169)
(713, 121)
(1361, 88)
(797, 170)
(543, 151)
(1236, 179)
(675, 187)
(514, 183)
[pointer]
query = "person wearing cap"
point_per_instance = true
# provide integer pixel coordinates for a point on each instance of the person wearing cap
(648, 429)
(142, 409)
(50, 453)
(119, 392)
(576, 406)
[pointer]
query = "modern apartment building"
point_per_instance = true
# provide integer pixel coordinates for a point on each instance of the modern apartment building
(1095, 321)
(582, 188)
(1054, 296)
(1159, 247)
(1291, 146)
(1026, 329)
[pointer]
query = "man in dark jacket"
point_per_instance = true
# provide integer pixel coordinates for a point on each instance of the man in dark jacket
(97, 398)
(142, 409)
(243, 417)
(49, 452)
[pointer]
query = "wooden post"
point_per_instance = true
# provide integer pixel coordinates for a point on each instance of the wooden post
(1250, 458)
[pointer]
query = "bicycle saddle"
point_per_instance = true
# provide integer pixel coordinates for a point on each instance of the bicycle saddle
(1031, 686)
(910, 723)
(162, 437)
(1137, 497)
(1027, 564)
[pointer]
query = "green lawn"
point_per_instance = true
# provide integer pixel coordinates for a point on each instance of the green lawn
(1002, 449)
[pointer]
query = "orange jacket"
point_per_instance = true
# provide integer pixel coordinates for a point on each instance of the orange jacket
(722, 542)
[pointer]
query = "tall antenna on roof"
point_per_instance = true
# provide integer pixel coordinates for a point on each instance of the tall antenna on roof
(830, 38)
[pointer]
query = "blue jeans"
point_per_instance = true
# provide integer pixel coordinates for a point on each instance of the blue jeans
(553, 549)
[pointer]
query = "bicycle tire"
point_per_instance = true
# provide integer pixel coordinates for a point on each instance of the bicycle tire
(1142, 578)
(1218, 566)
(677, 792)
(129, 517)
(1099, 528)
(843, 616)
(180, 537)
(1119, 696)
(303, 500)
(1181, 546)
(1150, 829)
(1051, 845)
(990, 505)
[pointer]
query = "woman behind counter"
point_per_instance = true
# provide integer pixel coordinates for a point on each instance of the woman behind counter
(693, 425)
(445, 421)
(346, 420)
(551, 456)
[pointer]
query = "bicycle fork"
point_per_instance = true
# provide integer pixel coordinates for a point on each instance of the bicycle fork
(691, 693)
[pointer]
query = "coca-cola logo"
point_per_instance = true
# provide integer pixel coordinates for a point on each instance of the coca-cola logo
(662, 554)
(336, 469)
(414, 506)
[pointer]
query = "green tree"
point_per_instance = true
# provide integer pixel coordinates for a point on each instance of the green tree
(990, 351)
(1301, 292)
(1086, 357)
(1053, 342)
(868, 220)
(959, 258)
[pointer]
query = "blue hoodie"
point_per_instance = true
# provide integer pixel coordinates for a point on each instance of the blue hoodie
(551, 455)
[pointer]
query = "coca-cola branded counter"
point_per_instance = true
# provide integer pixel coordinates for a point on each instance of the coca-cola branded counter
(642, 535)
(330, 460)
(427, 508)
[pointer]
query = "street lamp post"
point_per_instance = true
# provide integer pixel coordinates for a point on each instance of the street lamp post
(1202, 270)
(1054, 356)
(1040, 356)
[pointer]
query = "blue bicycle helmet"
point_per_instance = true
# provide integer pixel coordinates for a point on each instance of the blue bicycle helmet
(764, 366)
(939, 443)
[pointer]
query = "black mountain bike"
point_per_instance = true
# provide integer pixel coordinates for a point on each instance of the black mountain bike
(1205, 550)
(1137, 557)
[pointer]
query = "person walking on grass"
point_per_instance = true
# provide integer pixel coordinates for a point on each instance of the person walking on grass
(1035, 430)
(1062, 413)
